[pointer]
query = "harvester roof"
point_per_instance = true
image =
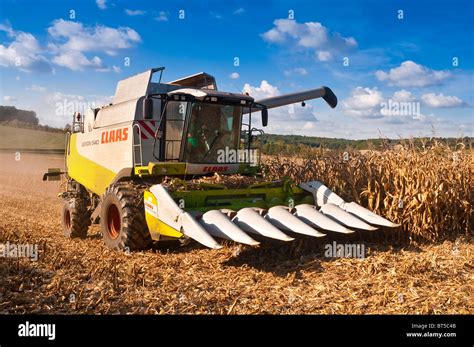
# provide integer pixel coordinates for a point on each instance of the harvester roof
(199, 80)
(202, 94)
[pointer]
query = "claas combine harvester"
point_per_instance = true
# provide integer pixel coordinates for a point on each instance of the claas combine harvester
(120, 156)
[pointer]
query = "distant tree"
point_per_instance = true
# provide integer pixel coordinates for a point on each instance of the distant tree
(10, 113)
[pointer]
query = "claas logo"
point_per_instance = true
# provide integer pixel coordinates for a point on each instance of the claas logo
(114, 135)
(215, 168)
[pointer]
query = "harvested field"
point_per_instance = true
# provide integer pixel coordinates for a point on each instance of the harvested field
(20, 139)
(83, 276)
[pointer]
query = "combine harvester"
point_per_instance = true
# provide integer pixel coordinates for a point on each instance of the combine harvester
(118, 156)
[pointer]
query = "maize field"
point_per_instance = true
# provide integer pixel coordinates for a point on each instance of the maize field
(429, 192)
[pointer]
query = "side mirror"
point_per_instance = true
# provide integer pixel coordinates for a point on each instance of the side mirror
(148, 108)
(264, 116)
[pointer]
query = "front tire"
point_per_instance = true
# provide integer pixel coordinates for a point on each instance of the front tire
(122, 218)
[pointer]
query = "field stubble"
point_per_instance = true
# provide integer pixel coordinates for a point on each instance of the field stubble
(82, 276)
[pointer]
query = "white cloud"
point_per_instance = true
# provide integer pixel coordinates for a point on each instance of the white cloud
(293, 119)
(36, 88)
(68, 46)
(370, 103)
(441, 100)
(57, 108)
(59, 96)
(403, 96)
(239, 11)
(324, 55)
(274, 35)
(9, 98)
(162, 17)
(8, 29)
(363, 102)
(313, 35)
(234, 75)
(309, 35)
(72, 40)
(296, 71)
(77, 61)
(350, 41)
(113, 68)
(134, 12)
(411, 74)
(98, 38)
(420, 117)
(90, 100)
(265, 90)
(23, 53)
(102, 4)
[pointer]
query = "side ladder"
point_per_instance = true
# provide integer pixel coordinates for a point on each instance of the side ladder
(137, 146)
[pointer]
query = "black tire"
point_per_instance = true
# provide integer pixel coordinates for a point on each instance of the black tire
(76, 216)
(122, 218)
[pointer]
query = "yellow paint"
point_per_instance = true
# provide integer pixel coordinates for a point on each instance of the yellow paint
(161, 169)
(88, 173)
(156, 227)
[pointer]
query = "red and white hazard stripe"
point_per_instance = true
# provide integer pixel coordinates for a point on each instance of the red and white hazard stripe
(148, 129)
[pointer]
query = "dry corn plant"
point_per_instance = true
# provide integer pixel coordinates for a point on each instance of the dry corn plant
(428, 191)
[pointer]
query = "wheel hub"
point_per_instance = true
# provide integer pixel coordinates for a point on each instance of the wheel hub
(113, 221)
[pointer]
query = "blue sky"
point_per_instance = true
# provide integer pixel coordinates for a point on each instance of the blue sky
(395, 73)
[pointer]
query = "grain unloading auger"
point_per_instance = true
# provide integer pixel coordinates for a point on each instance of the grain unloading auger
(138, 167)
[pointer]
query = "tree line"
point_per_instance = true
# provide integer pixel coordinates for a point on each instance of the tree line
(290, 145)
(14, 117)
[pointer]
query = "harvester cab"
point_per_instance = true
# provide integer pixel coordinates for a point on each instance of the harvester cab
(197, 125)
(136, 166)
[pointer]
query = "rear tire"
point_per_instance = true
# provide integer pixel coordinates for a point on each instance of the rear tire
(122, 218)
(75, 216)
